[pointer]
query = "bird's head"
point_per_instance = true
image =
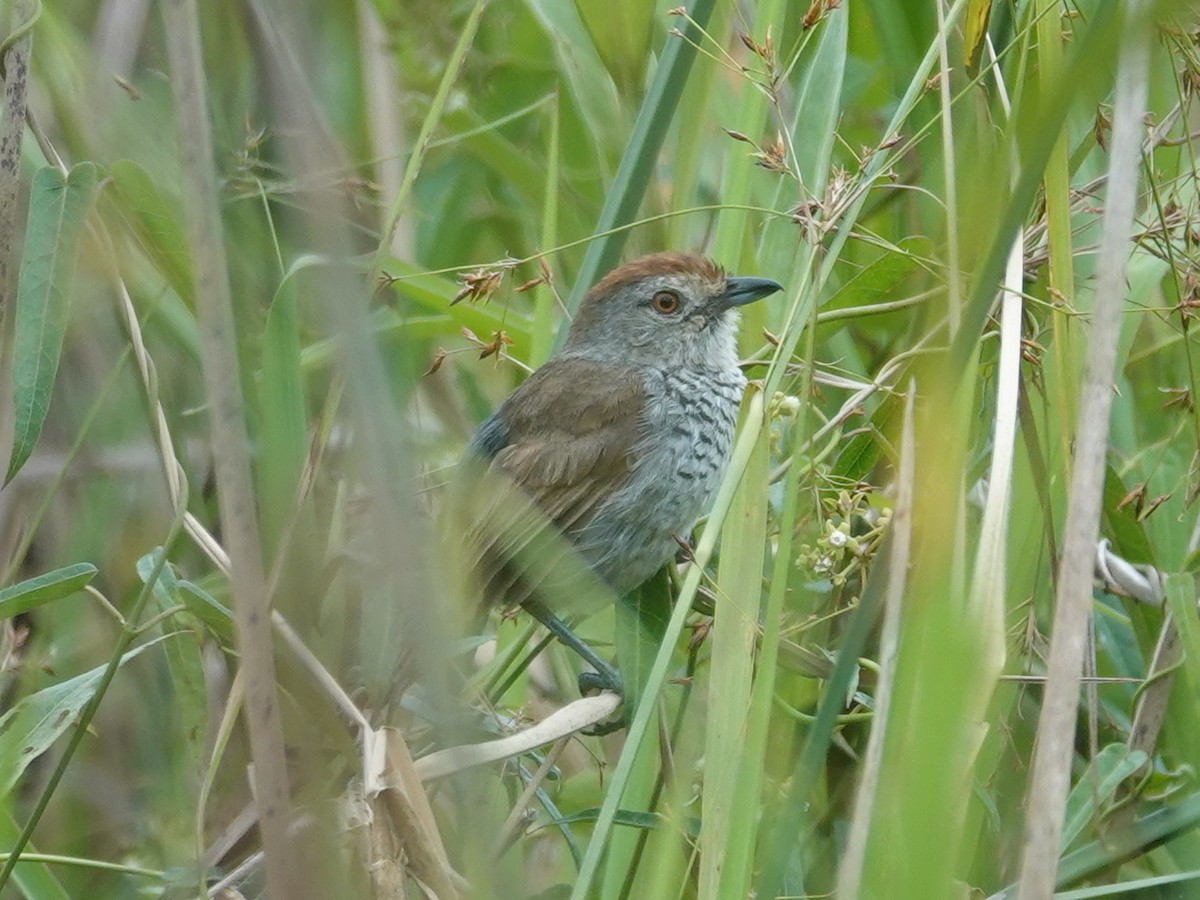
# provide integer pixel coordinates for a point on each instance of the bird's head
(674, 309)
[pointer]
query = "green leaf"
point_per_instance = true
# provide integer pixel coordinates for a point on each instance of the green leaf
(1121, 525)
(582, 72)
(205, 607)
(879, 278)
(978, 12)
(817, 104)
(57, 209)
(862, 452)
(637, 164)
(1112, 765)
(621, 31)
(284, 434)
(1180, 591)
(155, 222)
(632, 818)
(35, 879)
(34, 592)
(29, 728)
(730, 819)
(183, 659)
(1116, 846)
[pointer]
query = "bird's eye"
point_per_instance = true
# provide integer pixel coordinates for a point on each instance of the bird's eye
(666, 302)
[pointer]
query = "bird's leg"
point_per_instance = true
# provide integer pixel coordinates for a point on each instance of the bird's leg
(604, 678)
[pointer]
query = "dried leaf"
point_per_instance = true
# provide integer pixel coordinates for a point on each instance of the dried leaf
(438, 359)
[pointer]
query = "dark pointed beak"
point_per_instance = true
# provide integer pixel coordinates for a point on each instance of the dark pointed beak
(742, 290)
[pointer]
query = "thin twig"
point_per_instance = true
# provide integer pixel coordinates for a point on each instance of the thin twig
(516, 817)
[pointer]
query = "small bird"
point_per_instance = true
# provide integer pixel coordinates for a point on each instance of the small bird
(620, 440)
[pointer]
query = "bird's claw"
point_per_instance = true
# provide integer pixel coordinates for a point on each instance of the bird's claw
(603, 681)
(600, 681)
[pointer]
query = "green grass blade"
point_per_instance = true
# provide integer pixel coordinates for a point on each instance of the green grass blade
(637, 164)
(35, 879)
(621, 31)
(648, 706)
(1039, 136)
(740, 177)
(731, 669)
(284, 432)
(1057, 184)
(432, 116)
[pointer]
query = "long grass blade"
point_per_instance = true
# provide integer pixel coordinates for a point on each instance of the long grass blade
(645, 140)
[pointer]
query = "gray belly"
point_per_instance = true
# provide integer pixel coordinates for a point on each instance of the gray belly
(680, 460)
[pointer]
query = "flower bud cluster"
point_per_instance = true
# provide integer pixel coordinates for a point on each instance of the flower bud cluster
(852, 531)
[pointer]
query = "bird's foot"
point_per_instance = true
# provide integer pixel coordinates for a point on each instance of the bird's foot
(600, 681)
(605, 678)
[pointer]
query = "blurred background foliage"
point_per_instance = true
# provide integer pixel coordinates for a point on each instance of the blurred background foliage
(809, 143)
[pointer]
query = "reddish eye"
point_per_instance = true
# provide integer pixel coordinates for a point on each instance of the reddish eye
(666, 302)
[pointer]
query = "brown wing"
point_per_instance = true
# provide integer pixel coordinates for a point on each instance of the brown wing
(564, 442)
(571, 431)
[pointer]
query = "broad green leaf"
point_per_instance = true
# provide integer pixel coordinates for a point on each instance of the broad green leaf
(583, 74)
(57, 209)
(862, 452)
(520, 170)
(29, 728)
(34, 592)
(1181, 601)
(1153, 829)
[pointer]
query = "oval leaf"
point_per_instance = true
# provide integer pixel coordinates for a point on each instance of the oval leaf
(57, 209)
(26, 595)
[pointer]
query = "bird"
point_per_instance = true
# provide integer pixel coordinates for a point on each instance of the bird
(615, 446)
